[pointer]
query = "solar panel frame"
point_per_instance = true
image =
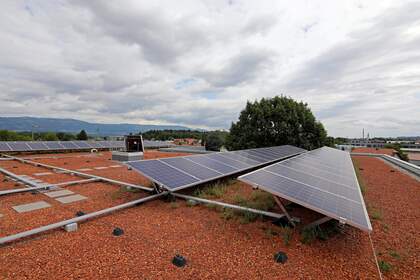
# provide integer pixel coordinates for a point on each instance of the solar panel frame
(288, 194)
(197, 170)
(18, 146)
(163, 166)
(4, 147)
(69, 145)
(81, 144)
(206, 156)
(53, 145)
(37, 146)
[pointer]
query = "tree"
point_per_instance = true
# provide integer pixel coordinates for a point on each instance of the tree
(63, 136)
(213, 141)
(276, 121)
(82, 135)
(50, 136)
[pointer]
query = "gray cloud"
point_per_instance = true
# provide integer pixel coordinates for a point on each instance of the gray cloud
(196, 63)
(244, 67)
(370, 76)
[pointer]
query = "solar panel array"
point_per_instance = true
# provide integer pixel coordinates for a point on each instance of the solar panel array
(33, 146)
(322, 180)
(182, 172)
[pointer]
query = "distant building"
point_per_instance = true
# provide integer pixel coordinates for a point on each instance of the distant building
(187, 141)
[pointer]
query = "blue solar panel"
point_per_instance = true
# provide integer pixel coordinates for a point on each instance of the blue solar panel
(53, 145)
(68, 145)
(19, 146)
(37, 146)
(241, 158)
(95, 144)
(332, 191)
(167, 176)
(247, 155)
(194, 169)
(226, 160)
(82, 144)
(4, 147)
(199, 168)
(213, 164)
(261, 154)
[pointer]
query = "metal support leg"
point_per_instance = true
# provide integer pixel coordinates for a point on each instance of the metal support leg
(284, 210)
(316, 223)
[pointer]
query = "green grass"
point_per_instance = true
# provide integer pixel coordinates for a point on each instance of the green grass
(174, 205)
(323, 233)
(384, 266)
(191, 203)
(286, 234)
(216, 190)
(120, 192)
(270, 232)
(394, 254)
(376, 214)
(227, 214)
(258, 200)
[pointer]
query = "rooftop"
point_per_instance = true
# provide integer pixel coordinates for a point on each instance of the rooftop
(216, 243)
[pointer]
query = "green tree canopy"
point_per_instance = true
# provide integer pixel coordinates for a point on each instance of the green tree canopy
(82, 135)
(214, 141)
(276, 121)
(50, 136)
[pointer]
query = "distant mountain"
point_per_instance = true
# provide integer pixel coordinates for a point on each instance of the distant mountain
(72, 126)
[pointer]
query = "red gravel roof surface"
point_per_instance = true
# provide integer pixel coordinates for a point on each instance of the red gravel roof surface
(389, 152)
(215, 248)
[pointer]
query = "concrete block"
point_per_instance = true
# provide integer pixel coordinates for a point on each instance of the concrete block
(70, 227)
(31, 206)
(59, 193)
(71, 198)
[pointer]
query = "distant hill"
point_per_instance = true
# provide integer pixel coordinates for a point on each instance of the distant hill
(72, 126)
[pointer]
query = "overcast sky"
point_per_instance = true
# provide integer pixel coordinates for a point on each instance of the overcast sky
(196, 63)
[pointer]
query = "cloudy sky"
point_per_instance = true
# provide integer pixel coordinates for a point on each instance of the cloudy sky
(196, 63)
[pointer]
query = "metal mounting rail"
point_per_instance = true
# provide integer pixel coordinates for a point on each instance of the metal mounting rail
(34, 231)
(81, 174)
(232, 206)
(47, 186)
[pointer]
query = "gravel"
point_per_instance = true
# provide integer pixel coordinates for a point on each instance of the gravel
(214, 247)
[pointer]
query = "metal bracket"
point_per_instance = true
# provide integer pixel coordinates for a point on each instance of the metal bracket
(317, 223)
(280, 204)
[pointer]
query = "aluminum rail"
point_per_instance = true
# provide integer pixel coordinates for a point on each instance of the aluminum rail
(34, 231)
(81, 174)
(414, 169)
(232, 206)
(12, 191)
(19, 178)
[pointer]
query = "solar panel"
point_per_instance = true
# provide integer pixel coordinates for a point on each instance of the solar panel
(23, 146)
(95, 144)
(322, 180)
(82, 144)
(19, 146)
(163, 174)
(181, 172)
(37, 146)
(53, 145)
(199, 171)
(4, 147)
(69, 145)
